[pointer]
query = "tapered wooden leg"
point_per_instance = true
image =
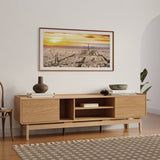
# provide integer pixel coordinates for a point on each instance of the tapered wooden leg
(10, 116)
(140, 126)
(21, 130)
(27, 132)
(3, 126)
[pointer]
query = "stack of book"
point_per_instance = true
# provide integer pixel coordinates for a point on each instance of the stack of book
(89, 105)
(122, 92)
(40, 95)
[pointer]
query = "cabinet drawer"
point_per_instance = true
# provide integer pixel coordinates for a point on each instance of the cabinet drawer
(130, 107)
(39, 111)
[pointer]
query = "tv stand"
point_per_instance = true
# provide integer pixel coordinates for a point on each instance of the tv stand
(65, 111)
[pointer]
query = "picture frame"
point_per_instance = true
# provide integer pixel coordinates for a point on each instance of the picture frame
(75, 50)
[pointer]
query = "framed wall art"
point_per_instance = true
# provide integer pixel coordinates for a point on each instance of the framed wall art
(75, 50)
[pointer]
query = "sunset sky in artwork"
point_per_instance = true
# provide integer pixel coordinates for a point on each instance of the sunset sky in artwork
(73, 39)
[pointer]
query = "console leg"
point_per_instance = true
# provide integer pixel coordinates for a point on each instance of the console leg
(140, 126)
(63, 131)
(100, 129)
(27, 132)
(21, 130)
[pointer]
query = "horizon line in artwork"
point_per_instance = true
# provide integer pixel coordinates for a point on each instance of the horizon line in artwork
(59, 39)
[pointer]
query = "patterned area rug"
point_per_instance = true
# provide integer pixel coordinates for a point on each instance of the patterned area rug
(125, 148)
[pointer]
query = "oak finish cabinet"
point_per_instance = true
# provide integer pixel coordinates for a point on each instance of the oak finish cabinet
(65, 111)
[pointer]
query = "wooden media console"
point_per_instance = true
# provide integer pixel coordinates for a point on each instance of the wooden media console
(65, 111)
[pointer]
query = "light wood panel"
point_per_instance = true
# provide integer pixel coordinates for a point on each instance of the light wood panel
(65, 110)
(129, 112)
(83, 124)
(130, 107)
(17, 109)
(130, 100)
(39, 111)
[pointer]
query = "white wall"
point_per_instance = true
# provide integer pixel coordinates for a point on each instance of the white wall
(150, 59)
(20, 20)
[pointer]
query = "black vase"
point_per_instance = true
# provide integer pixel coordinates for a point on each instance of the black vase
(40, 87)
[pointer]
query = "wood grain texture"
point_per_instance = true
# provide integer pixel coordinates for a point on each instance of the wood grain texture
(140, 126)
(17, 109)
(39, 111)
(130, 107)
(83, 124)
(64, 111)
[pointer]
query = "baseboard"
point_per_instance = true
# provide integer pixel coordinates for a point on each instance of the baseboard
(153, 110)
(16, 131)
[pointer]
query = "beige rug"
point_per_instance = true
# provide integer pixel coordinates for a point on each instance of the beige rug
(125, 148)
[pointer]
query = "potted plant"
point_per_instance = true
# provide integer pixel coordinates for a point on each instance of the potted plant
(143, 76)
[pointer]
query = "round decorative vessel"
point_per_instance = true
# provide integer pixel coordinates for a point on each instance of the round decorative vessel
(40, 87)
(118, 86)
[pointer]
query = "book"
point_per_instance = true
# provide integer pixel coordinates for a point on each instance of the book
(89, 105)
(122, 92)
(40, 95)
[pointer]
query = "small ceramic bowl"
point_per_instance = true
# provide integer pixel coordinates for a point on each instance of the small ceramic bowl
(118, 86)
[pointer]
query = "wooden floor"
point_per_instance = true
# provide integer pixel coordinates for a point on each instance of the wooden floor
(150, 125)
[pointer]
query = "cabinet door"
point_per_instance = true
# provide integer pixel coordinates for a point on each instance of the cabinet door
(130, 106)
(39, 111)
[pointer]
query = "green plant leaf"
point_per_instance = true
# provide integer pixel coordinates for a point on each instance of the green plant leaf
(145, 92)
(143, 74)
(142, 85)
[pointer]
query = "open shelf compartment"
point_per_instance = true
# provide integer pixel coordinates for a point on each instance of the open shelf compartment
(105, 113)
(66, 109)
(102, 102)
